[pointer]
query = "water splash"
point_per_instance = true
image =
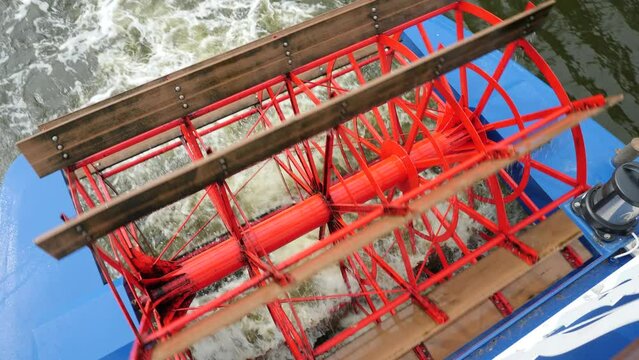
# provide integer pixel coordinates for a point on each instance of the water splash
(57, 56)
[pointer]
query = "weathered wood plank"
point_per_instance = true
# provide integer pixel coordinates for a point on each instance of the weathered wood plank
(193, 177)
(629, 353)
(213, 116)
(112, 121)
(458, 332)
(464, 292)
(539, 278)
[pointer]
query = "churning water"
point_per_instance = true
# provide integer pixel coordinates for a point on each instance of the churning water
(60, 55)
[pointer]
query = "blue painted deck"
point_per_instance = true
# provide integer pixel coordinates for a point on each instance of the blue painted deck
(50, 309)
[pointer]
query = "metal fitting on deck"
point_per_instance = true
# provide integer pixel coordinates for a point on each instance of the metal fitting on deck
(629, 153)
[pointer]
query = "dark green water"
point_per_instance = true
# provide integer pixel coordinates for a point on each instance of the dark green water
(593, 47)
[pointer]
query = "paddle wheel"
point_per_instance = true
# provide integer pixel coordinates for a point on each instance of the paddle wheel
(245, 229)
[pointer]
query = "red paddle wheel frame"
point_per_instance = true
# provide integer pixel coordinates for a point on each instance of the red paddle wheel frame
(335, 183)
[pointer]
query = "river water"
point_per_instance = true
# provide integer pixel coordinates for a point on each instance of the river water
(60, 55)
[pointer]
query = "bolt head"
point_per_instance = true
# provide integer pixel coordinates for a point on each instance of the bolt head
(577, 204)
(181, 97)
(375, 17)
(288, 53)
(185, 106)
(54, 138)
(376, 26)
(607, 236)
(60, 147)
(65, 155)
(178, 89)
(290, 62)
(374, 9)
(285, 44)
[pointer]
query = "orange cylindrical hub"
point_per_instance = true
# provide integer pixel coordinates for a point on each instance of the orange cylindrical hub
(221, 260)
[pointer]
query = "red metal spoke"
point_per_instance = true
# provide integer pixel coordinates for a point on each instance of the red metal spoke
(425, 38)
(344, 155)
(370, 279)
(463, 77)
(126, 234)
(385, 66)
(299, 167)
(533, 116)
(423, 267)
(437, 237)
(190, 240)
(362, 141)
(399, 240)
(246, 182)
(328, 163)
(500, 206)
(180, 228)
(362, 163)
(276, 104)
(458, 240)
(370, 128)
(499, 71)
(518, 190)
(547, 209)
(475, 215)
(417, 120)
(368, 298)
(308, 166)
(305, 89)
(378, 117)
(553, 173)
(233, 198)
(438, 315)
(464, 119)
